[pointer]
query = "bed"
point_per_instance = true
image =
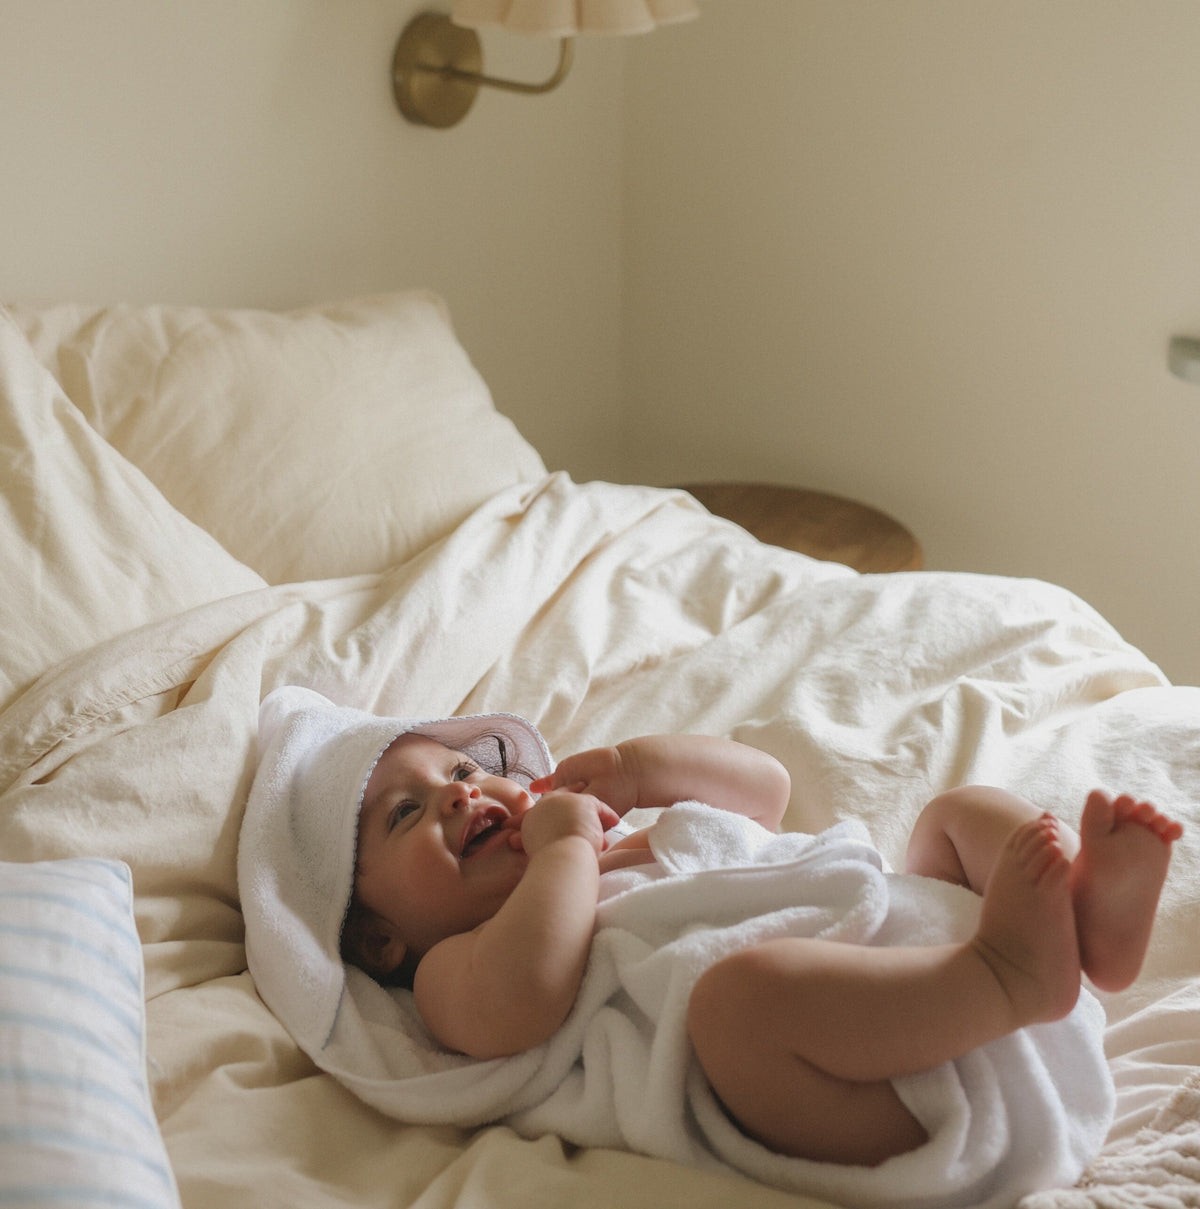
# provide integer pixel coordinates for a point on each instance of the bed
(203, 505)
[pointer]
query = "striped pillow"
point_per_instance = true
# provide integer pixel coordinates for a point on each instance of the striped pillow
(76, 1124)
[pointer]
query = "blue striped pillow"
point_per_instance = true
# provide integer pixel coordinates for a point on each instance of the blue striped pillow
(76, 1124)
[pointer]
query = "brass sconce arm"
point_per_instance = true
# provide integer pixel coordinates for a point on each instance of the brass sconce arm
(437, 71)
(566, 55)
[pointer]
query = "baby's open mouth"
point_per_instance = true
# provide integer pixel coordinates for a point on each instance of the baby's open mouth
(482, 826)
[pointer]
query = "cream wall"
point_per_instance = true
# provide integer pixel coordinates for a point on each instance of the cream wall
(229, 153)
(929, 253)
(924, 252)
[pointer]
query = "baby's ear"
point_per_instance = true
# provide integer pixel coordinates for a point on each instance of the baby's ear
(371, 943)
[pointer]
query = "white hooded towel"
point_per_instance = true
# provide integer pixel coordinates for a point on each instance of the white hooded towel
(1023, 1113)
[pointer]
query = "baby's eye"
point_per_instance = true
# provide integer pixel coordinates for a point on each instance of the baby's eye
(465, 770)
(400, 812)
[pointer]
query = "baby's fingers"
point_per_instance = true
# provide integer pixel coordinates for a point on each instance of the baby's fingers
(609, 818)
(549, 783)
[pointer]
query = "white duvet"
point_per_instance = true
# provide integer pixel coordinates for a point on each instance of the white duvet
(598, 612)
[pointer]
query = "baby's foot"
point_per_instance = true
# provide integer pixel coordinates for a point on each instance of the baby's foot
(1125, 846)
(1027, 926)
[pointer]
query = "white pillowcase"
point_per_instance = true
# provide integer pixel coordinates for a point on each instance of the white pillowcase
(76, 1122)
(315, 443)
(88, 546)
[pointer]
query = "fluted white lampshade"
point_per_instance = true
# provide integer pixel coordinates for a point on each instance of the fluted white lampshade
(437, 67)
(566, 18)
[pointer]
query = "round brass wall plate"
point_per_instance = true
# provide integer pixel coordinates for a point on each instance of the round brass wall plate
(431, 47)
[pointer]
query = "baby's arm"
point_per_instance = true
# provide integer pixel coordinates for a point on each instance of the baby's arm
(660, 770)
(508, 984)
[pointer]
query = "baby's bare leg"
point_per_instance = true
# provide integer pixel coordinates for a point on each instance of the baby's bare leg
(1027, 928)
(1119, 860)
(1116, 881)
(748, 1018)
(960, 833)
(800, 1037)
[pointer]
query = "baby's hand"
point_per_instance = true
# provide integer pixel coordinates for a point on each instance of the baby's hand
(603, 771)
(558, 815)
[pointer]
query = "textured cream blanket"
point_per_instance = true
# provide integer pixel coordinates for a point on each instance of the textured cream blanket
(598, 612)
(1159, 1168)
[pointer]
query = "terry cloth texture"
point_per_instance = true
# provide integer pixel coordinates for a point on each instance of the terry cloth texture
(296, 851)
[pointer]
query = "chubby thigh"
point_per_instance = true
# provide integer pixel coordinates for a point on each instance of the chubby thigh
(751, 1025)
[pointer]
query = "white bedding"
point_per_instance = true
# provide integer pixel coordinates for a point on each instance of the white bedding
(598, 611)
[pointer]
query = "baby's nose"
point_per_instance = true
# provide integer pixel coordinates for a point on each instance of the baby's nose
(457, 795)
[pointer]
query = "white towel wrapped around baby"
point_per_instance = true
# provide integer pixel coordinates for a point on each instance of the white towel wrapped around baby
(1024, 1112)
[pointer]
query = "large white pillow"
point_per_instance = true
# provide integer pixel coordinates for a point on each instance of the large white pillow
(89, 549)
(319, 442)
(76, 1122)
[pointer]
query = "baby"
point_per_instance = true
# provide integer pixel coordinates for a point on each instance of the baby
(481, 893)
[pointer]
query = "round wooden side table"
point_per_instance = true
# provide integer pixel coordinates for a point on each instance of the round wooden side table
(814, 523)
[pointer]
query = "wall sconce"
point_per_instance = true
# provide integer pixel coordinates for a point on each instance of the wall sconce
(437, 69)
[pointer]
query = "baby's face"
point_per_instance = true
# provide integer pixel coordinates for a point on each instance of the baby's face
(437, 852)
